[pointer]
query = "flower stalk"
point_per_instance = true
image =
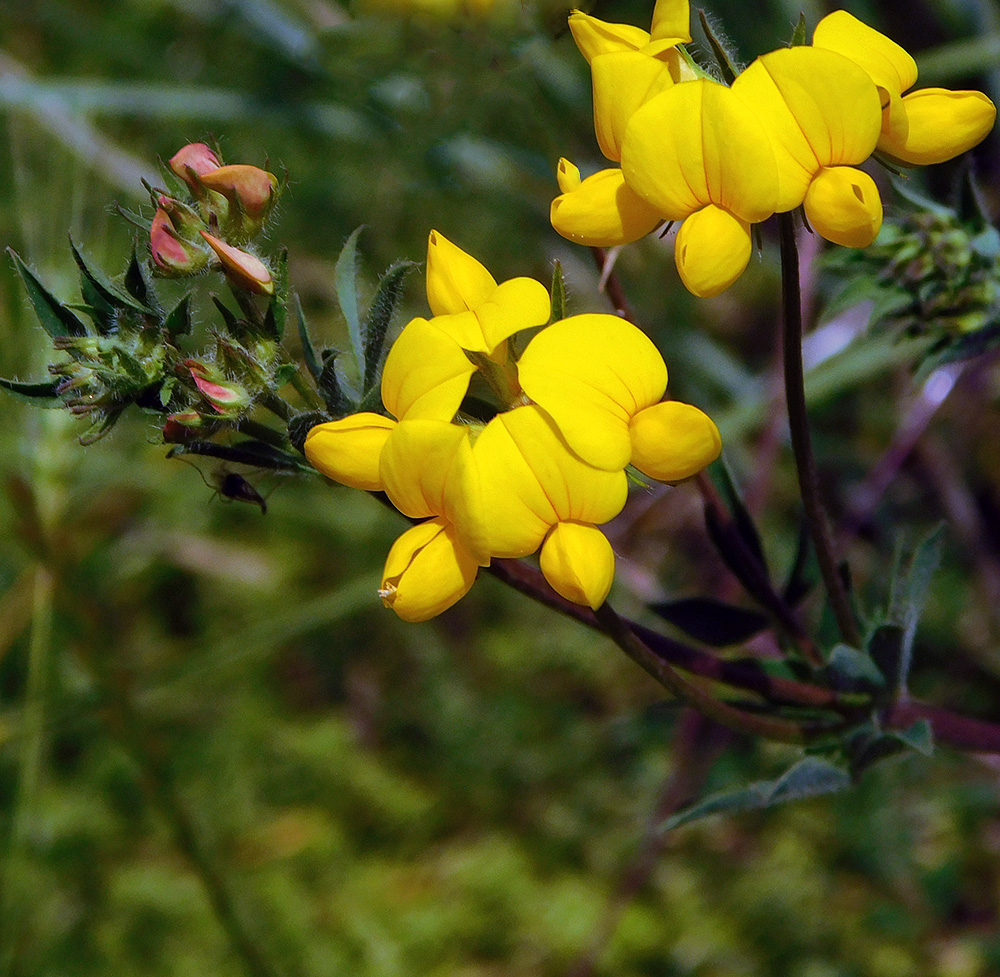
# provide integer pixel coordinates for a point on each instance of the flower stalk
(798, 423)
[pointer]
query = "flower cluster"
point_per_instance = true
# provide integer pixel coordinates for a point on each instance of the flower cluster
(790, 131)
(499, 454)
(226, 207)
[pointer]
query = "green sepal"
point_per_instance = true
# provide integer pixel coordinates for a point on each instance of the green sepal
(257, 454)
(53, 316)
(228, 316)
(101, 427)
(137, 282)
(379, 317)
(811, 776)
(727, 67)
(46, 390)
(178, 321)
(558, 292)
(301, 424)
(283, 375)
(799, 38)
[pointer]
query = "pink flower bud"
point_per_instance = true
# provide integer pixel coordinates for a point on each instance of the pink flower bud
(253, 187)
(244, 269)
(182, 426)
(225, 395)
(196, 158)
(171, 255)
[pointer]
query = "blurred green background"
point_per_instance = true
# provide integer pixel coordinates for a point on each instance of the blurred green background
(220, 755)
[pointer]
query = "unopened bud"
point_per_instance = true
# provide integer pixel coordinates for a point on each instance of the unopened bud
(243, 269)
(247, 188)
(226, 396)
(196, 158)
(182, 426)
(172, 256)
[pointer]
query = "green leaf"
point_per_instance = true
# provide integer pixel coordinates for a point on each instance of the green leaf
(330, 389)
(98, 289)
(712, 621)
(908, 593)
(178, 321)
(799, 581)
(137, 283)
(722, 57)
(308, 352)
(919, 737)
(558, 292)
(277, 308)
(810, 777)
(43, 390)
(378, 318)
(851, 670)
(345, 276)
(869, 744)
(54, 317)
(228, 316)
(885, 646)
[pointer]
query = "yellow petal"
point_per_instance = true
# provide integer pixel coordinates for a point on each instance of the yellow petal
(567, 176)
(456, 282)
(530, 480)
(843, 205)
(698, 143)
(672, 441)
(885, 61)
(623, 82)
(519, 303)
(820, 109)
(426, 374)
(671, 21)
(428, 569)
(712, 250)
(595, 36)
(591, 373)
(578, 563)
(603, 211)
(941, 124)
(348, 450)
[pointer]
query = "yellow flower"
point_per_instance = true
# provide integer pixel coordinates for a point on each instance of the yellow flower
(531, 480)
(348, 450)
(601, 211)
(923, 127)
(696, 152)
(602, 381)
(822, 115)
(428, 569)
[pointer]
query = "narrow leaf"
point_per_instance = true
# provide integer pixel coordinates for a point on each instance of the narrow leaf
(308, 352)
(810, 777)
(228, 316)
(379, 317)
(345, 281)
(277, 308)
(850, 670)
(54, 317)
(137, 283)
(114, 296)
(799, 582)
(712, 621)
(558, 292)
(741, 515)
(44, 390)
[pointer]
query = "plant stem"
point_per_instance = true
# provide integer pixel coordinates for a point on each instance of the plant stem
(798, 423)
(780, 730)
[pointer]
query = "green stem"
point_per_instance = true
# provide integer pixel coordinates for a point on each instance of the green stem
(798, 422)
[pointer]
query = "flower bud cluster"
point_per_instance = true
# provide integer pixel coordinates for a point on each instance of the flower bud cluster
(224, 207)
(790, 131)
(583, 401)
